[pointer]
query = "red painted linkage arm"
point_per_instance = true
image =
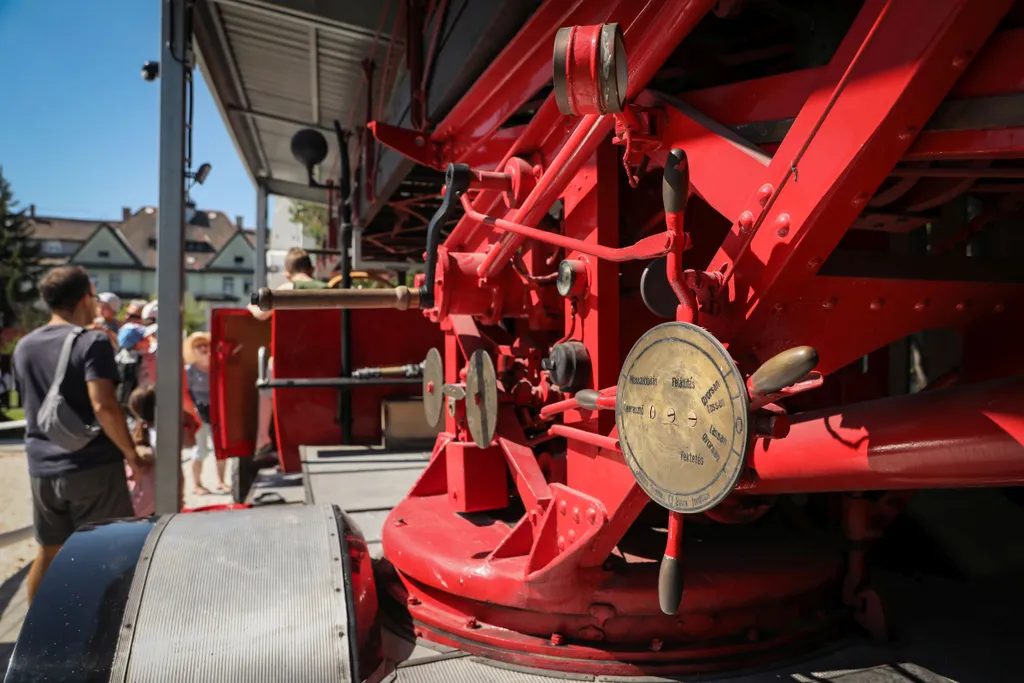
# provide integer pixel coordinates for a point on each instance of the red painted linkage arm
(647, 248)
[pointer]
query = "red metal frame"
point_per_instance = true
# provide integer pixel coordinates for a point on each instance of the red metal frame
(558, 578)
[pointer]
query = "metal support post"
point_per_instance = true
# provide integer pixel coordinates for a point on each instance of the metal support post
(175, 58)
(260, 262)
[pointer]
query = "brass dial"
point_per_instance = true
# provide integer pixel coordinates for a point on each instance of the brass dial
(682, 417)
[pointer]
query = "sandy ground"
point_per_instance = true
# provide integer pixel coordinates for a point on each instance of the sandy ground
(17, 541)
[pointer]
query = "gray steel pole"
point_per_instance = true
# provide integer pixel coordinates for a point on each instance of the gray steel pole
(175, 56)
(260, 262)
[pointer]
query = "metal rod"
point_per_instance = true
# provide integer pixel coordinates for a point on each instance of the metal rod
(646, 248)
(334, 382)
(401, 298)
(590, 438)
(176, 37)
(260, 262)
(958, 437)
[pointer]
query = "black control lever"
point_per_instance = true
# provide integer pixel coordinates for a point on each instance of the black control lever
(456, 182)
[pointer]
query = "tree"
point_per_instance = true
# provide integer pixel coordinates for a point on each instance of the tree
(19, 260)
(312, 217)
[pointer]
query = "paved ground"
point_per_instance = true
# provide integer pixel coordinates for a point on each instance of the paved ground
(17, 543)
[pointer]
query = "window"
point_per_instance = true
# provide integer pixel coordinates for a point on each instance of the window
(102, 253)
(115, 281)
(152, 243)
(239, 260)
(229, 286)
(52, 247)
(247, 286)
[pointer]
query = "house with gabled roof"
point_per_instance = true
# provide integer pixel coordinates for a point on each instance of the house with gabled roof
(121, 256)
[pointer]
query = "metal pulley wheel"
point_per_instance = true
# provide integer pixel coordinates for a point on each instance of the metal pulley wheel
(682, 414)
(433, 387)
(481, 398)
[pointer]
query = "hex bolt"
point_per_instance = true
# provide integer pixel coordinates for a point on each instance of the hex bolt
(656, 645)
(412, 601)
(472, 623)
(557, 639)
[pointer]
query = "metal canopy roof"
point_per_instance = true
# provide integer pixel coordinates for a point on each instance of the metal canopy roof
(276, 66)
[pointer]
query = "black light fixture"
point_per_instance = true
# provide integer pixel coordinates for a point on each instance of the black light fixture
(200, 175)
(309, 147)
(150, 71)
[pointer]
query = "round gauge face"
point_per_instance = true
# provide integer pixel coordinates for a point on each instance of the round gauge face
(433, 386)
(682, 417)
(481, 398)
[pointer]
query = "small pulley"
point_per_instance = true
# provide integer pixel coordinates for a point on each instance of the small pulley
(481, 398)
(433, 387)
(682, 414)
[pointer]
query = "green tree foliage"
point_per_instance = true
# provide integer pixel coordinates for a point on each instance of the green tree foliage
(19, 260)
(312, 217)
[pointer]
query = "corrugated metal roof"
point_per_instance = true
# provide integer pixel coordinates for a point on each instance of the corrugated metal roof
(278, 66)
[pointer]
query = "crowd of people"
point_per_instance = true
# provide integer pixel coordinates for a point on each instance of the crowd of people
(101, 363)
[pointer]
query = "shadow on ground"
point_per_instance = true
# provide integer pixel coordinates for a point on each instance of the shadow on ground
(8, 590)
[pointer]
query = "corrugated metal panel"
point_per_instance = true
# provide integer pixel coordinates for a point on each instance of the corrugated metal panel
(287, 67)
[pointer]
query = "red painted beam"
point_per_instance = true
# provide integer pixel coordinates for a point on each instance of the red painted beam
(967, 436)
(887, 80)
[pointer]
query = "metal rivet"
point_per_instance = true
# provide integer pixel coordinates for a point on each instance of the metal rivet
(877, 304)
(561, 542)
(592, 515)
(572, 536)
(961, 307)
(860, 199)
(830, 302)
(778, 308)
(782, 225)
(998, 308)
(562, 507)
(921, 305)
(656, 645)
(814, 263)
(576, 514)
(907, 133)
(764, 193)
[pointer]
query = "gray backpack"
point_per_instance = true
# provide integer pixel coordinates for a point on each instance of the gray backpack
(56, 419)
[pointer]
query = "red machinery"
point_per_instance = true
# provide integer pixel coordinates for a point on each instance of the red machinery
(696, 317)
(804, 220)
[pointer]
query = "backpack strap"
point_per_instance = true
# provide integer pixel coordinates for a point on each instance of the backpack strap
(65, 358)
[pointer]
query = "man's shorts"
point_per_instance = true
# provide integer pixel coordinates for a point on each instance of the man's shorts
(63, 503)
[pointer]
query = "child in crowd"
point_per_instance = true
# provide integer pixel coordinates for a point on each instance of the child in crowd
(196, 352)
(142, 487)
(132, 345)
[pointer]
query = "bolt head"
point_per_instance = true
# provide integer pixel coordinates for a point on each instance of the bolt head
(745, 221)
(764, 193)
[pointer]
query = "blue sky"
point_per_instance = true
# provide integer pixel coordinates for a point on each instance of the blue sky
(79, 128)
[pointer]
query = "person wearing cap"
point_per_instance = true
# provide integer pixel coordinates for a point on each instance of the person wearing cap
(109, 306)
(132, 344)
(196, 354)
(149, 313)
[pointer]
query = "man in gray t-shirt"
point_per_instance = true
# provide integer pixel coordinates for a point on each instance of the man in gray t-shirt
(70, 489)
